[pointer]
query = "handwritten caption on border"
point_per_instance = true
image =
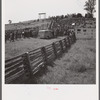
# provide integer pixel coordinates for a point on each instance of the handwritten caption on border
(52, 88)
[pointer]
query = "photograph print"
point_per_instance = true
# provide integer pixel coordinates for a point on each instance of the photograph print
(50, 42)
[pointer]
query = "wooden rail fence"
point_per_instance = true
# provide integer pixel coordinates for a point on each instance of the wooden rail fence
(29, 63)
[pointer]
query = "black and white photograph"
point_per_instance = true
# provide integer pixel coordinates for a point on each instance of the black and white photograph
(50, 42)
(50, 49)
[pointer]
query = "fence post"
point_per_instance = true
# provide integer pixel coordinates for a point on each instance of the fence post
(65, 43)
(68, 38)
(74, 36)
(27, 65)
(71, 39)
(43, 50)
(61, 44)
(54, 48)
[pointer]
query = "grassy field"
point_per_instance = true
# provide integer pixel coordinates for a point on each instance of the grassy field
(21, 46)
(26, 24)
(78, 66)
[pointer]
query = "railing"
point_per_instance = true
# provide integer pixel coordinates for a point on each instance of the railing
(29, 63)
(14, 68)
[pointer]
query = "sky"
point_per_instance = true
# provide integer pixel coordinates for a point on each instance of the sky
(23, 10)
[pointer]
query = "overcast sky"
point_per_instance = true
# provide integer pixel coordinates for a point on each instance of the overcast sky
(23, 10)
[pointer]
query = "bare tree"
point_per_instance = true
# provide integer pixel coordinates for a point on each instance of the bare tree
(90, 6)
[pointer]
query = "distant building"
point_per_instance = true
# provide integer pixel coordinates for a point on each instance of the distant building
(86, 30)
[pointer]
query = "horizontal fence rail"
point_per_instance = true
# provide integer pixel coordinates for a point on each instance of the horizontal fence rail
(13, 69)
(29, 63)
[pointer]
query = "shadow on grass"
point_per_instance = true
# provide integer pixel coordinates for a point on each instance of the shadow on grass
(44, 70)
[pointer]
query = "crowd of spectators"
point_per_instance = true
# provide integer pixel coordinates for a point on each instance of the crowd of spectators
(60, 26)
(13, 35)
